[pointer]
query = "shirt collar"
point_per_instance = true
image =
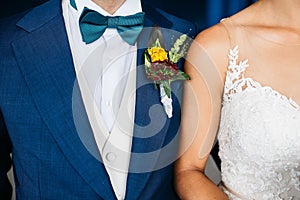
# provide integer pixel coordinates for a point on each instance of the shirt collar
(129, 7)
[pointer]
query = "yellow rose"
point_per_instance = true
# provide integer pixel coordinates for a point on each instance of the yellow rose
(158, 54)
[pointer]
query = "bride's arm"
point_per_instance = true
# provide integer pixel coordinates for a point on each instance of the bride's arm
(201, 113)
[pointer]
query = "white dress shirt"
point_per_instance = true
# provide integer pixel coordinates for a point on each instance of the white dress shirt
(105, 71)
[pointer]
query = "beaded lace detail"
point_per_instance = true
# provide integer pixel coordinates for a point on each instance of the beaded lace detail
(259, 138)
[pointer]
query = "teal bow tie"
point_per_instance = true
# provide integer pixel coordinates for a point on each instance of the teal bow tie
(92, 25)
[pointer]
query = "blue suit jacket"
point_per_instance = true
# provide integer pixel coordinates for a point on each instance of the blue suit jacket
(38, 94)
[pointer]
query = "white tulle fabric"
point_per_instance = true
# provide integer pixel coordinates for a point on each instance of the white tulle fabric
(259, 138)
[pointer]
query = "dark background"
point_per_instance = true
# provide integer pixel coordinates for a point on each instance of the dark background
(203, 12)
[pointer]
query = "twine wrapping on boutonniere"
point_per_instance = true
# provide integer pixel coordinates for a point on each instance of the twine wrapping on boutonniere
(161, 65)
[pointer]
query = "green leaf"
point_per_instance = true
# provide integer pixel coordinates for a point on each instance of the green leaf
(147, 59)
(181, 76)
(167, 88)
(155, 35)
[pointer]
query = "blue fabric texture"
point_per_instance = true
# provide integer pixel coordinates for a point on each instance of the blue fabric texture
(38, 94)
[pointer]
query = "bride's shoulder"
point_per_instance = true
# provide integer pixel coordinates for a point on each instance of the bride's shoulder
(219, 34)
(214, 42)
(213, 37)
(217, 40)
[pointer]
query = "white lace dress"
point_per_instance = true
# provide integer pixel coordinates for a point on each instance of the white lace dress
(259, 138)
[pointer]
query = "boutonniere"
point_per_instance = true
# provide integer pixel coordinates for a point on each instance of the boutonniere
(161, 65)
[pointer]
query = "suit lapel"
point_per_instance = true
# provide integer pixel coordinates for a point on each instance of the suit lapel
(151, 123)
(46, 63)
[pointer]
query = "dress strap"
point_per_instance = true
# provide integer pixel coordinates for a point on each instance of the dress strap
(234, 82)
(227, 23)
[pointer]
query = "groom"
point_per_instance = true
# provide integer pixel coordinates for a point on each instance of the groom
(77, 112)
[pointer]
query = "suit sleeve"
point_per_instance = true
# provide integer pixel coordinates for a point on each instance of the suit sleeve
(5, 161)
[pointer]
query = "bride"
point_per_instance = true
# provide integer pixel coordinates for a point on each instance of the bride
(244, 89)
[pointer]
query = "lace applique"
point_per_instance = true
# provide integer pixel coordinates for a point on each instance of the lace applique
(236, 81)
(259, 138)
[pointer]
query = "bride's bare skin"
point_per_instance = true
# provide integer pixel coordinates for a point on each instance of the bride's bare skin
(275, 22)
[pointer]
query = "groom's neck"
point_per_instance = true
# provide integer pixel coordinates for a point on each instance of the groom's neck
(110, 6)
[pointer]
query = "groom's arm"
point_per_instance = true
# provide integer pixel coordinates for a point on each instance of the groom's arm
(5, 161)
